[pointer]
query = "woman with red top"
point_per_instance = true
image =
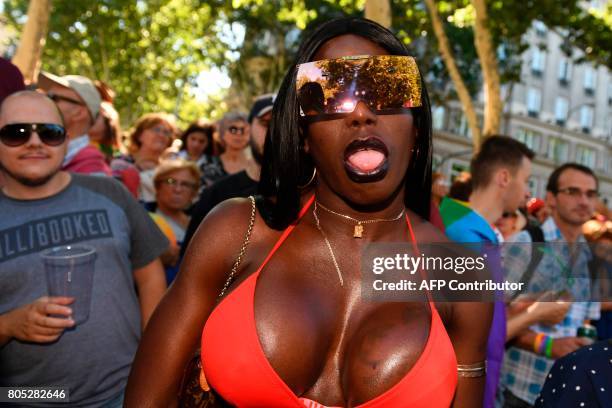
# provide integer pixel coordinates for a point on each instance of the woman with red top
(293, 329)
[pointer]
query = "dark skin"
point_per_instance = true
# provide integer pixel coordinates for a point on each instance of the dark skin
(322, 339)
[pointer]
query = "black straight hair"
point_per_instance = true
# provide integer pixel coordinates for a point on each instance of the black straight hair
(286, 167)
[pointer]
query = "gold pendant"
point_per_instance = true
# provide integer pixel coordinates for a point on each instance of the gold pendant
(358, 233)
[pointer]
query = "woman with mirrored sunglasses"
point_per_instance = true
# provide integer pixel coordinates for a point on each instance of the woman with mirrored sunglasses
(235, 136)
(346, 166)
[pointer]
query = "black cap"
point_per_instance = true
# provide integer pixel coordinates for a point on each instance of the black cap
(262, 105)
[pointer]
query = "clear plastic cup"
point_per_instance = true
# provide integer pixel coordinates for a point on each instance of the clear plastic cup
(70, 270)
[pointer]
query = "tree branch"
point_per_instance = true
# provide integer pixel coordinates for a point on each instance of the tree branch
(451, 66)
(490, 73)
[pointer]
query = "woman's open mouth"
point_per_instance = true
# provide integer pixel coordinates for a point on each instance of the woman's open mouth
(365, 160)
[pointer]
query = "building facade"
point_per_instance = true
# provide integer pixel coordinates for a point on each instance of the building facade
(560, 109)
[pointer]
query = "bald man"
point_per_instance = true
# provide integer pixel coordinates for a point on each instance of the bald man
(45, 207)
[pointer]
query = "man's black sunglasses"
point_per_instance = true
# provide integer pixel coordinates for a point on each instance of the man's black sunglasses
(17, 134)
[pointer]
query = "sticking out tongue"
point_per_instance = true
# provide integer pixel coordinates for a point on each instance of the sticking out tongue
(366, 160)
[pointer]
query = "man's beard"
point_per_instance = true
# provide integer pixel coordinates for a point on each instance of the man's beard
(30, 182)
(566, 216)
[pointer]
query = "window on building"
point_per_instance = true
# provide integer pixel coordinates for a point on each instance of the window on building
(586, 118)
(585, 156)
(590, 79)
(533, 186)
(534, 102)
(531, 138)
(610, 93)
(557, 150)
(438, 116)
(457, 123)
(538, 61)
(561, 107)
(565, 71)
(464, 127)
(436, 159)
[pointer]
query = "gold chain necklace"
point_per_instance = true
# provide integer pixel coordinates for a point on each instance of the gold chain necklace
(314, 213)
(358, 231)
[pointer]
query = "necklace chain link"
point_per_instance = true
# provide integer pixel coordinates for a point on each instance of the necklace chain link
(316, 217)
(358, 232)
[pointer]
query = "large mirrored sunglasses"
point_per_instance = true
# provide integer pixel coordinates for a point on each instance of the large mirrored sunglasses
(17, 134)
(330, 89)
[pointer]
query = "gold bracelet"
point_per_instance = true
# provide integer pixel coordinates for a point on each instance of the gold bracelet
(472, 370)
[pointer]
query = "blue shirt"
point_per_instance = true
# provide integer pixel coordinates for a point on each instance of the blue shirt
(475, 229)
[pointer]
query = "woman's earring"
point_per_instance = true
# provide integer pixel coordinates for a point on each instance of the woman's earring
(314, 174)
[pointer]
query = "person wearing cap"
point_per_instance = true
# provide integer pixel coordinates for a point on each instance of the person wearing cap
(243, 183)
(79, 102)
(537, 208)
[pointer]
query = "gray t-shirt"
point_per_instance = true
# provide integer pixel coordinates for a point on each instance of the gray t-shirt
(93, 359)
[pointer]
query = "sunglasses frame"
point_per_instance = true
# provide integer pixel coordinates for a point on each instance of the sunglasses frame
(31, 128)
(237, 130)
(184, 185)
(57, 97)
(401, 65)
(576, 192)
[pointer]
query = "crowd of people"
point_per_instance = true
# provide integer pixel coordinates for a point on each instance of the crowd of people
(278, 312)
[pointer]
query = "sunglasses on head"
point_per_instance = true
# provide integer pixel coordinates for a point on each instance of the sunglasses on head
(17, 134)
(331, 89)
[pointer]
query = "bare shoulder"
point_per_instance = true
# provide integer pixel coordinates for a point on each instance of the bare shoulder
(212, 250)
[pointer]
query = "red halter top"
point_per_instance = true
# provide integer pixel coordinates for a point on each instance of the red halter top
(236, 367)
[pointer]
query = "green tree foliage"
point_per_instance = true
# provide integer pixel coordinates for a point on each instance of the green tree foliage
(149, 52)
(273, 31)
(588, 31)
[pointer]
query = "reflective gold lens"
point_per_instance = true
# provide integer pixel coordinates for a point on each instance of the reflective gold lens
(386, 83)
